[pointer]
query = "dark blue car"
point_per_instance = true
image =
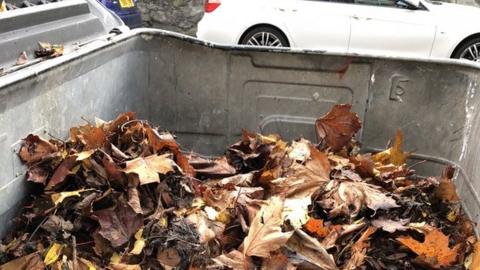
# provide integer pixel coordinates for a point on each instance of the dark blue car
(127, 10)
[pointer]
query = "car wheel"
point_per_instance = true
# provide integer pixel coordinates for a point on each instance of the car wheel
(469, 51)
(265, 36)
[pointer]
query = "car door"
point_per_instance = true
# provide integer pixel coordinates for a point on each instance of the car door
(390, 27)
(315, 24)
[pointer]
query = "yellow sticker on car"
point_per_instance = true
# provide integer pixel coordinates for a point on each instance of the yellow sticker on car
(126, 3)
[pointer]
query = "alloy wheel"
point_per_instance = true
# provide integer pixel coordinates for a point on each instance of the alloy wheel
(471, 53)
(264, 39)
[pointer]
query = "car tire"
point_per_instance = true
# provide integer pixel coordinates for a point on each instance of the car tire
(462, 52)
(265, 36)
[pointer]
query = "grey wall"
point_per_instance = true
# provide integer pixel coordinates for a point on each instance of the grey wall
(176, 15)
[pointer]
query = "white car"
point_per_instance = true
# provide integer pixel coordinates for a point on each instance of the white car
(411, 28)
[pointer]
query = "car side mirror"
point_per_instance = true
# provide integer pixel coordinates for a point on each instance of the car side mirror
(413, 3)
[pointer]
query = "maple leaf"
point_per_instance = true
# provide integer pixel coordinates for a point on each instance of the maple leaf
(338, 126)
(348, 198)
(359, 250)
(393, 155)
(303, 180)
(118, 224)
(149, 167)
(91, 137)
(265, 232)
(434, 251)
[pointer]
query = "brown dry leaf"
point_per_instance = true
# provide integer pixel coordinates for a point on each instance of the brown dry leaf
(35, 149)
(29, 262)
(348, 198)
(338, 126)
(265, 234)
(235, 260)
(168, 257)
(303, 180)
(391, 226)
(37, 174)
(337, 231)
(118, 224)
(121, 266)
(393, 155)
(206, 229)
(149, 167)
(62, 171)
(446, 190)
(46, 49)
(316, 226)
(434, 251)
(475, 259)
(277, 261)
(22, 59)
(211, 168)
(158, 144)
(134, 200)
(90, 136)
(310, 250)
(364, 165)
(359, 250)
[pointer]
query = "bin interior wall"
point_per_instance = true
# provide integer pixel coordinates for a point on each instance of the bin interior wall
(206, 95)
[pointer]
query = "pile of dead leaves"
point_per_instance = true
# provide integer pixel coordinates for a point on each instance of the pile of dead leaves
(122, 195)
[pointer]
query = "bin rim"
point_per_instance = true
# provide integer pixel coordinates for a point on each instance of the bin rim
(40, 67)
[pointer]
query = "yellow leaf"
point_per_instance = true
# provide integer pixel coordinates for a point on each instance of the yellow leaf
(87, 263)
(149, 167)
(58, 198)
(139, 243)
(115, 258)
(393, 155)
(53, 254)
(3, 7)
(85, 154)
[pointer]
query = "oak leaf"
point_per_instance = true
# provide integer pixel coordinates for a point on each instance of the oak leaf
(434, 251)
(338, 126)
(265, 234)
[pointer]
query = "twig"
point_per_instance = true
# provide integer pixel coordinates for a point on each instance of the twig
(36, 229)
(74, 246)
(86, 120)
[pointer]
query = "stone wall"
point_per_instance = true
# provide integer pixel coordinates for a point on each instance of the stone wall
(176, 15)
(182, 15)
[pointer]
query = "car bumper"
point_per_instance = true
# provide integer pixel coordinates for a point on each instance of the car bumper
(213, 30)
(131, 19)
